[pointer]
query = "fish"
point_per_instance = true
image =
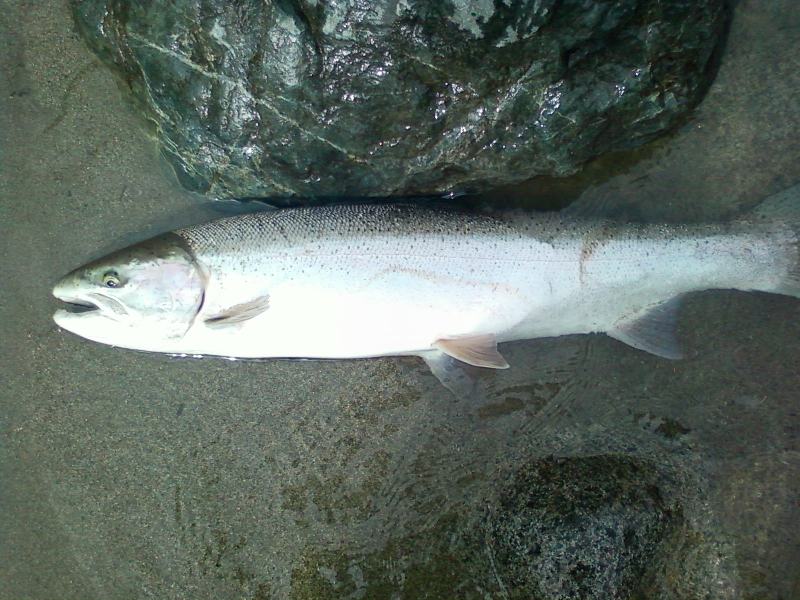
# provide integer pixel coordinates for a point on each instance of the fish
(371, 280)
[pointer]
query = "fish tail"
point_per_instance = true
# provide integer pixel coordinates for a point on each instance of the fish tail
(781, 213)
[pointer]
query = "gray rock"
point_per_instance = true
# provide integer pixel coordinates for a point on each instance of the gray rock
(584, 527)
(383, 97)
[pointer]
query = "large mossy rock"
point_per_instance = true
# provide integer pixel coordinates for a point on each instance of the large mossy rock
(385, 97)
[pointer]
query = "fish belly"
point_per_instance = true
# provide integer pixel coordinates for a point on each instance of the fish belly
(368, 309)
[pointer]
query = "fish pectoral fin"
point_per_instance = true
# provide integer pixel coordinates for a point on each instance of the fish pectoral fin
(239, 312)
(652, 330)
(476, 350)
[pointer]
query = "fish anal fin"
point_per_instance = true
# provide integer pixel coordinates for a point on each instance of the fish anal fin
(476, 350)
(652, 330)
(238, 313)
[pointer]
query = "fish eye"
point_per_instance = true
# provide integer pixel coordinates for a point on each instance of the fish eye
(111, 279)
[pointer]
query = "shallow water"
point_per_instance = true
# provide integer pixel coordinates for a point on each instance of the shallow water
(126, 475)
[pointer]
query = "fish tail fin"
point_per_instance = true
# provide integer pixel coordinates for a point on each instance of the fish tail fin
(782, 210)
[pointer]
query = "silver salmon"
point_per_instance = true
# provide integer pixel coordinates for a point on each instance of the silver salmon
(380, 280)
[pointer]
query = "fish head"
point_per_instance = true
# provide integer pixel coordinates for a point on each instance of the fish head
(138, 297)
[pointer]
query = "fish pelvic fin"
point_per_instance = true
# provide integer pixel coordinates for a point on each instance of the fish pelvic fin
(475, 350)
(652, 330)
(783, 209)
(457, 362)
(458, 377)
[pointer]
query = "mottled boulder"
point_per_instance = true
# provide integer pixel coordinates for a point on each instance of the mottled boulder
(584, 527)
(384, 97)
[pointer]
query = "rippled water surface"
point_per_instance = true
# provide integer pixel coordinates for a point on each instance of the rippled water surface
(587, 470)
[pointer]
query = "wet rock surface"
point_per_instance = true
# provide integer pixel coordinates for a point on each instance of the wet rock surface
(581, 527)
(594, 527)
(387, 97)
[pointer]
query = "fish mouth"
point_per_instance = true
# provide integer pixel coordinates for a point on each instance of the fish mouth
(75, 305)
(74, 310)
(78, 308)
(89, 302)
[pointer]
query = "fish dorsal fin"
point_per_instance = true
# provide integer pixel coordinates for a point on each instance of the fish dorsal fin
(652, 330)
(476, 350)
(239, 313)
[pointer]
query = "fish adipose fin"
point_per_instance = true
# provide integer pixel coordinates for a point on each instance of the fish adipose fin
(475, 350)
(652, 330)
(784, 208)
(238, 313)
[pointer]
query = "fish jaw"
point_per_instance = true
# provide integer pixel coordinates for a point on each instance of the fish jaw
(89, 325)
(99, 326)
(95, 316)
(88, 316)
